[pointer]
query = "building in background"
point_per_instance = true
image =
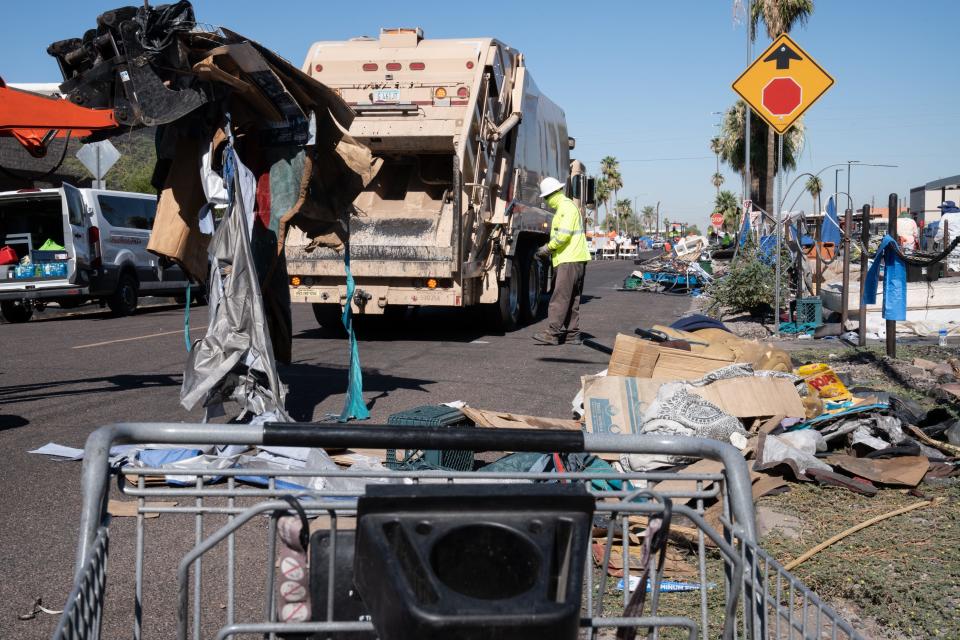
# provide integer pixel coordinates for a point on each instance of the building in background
(925, 199)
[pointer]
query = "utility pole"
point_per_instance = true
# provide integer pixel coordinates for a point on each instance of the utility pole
(657, 229)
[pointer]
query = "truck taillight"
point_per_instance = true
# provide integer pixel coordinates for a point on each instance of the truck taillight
(93, 237)
(318, 68)
(463, 92)
(394, 66)
(469, 64)
(440, 93)
(417, 66)
(370, 66)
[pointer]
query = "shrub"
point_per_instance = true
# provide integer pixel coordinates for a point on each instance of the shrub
(748, 286)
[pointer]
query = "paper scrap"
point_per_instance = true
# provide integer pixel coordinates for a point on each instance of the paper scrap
(59, 451)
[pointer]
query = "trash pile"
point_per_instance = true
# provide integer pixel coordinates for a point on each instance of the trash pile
(248, 147)
(670, 274)
(804, 424)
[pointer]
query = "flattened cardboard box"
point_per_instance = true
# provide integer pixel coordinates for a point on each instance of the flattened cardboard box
(644, 359)
(616, 404)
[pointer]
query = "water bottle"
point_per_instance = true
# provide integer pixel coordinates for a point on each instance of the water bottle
(943, 337)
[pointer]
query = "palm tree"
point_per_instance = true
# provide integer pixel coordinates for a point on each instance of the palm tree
(732, 147)
(779, 16)
(602, 195)
(717, 180)
(610, 167)
(715, 148)
(727, 205)
(624, 212)
(814, 187)
(648, 216)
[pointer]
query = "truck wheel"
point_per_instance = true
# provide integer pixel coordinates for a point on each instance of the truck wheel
(124, 300)
(329, 317)
(506, 311)
(15, 311)
(532, 286)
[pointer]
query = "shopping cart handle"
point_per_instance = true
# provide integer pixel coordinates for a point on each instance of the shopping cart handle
(336, 435)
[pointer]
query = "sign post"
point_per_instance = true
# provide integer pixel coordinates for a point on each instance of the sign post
(779, 86)
(98, 158)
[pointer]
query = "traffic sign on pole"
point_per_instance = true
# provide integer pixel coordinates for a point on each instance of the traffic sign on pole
(782, 83)
(716, 219)
(98, 158)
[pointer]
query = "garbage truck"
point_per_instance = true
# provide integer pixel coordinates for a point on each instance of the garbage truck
(454, 217)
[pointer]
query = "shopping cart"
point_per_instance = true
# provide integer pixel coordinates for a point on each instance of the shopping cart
(736, 590)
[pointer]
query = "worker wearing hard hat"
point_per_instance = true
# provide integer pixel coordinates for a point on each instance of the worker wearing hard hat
(568, 252)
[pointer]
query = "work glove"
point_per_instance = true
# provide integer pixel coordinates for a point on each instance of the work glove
(543, 253)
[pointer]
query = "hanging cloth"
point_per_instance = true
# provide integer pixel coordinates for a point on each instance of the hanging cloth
(353, 406)
(894, 281)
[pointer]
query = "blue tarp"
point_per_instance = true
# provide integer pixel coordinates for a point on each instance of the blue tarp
(894, 281)
(830, 228)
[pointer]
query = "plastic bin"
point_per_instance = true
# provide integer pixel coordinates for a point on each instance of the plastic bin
(430, 416)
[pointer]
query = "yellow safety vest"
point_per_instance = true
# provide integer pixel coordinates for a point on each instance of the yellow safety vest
(568, 242)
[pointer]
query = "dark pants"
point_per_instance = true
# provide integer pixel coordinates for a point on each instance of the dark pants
(563, 313)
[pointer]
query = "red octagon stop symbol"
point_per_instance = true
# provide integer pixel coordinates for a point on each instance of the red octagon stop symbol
(782, 96)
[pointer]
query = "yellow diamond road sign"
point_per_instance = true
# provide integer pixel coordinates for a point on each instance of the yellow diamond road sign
(782, 83)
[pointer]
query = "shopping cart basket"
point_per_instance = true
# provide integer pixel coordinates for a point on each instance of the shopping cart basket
(736, 590)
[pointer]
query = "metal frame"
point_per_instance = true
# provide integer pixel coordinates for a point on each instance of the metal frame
(761, 599)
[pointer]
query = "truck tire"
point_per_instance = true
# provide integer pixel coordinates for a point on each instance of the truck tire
(15, 311)
(531, 271)
(330, 319)
(124, 300)
(506, 311)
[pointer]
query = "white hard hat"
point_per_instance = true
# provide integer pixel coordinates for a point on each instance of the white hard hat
(549, 185)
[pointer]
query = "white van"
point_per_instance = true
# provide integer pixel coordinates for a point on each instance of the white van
(103, 235)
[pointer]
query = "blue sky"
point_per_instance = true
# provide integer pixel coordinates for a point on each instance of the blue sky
(639, 80)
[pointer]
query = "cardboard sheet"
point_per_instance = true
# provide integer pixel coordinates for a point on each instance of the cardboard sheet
(503, 420)
(644, 359)
(904, 470)
(128, 508)
(615, 404)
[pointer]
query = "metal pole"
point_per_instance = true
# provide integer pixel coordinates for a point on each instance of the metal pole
(779, 222)
(864, 243)
(892, 230)
(845, 296)
(747, 177)
(817, 245)
(99, 181)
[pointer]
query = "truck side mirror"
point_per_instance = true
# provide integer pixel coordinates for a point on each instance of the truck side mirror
(572, 142)
(575, 189)
(591, 191)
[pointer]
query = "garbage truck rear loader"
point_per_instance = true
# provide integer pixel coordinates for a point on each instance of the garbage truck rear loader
(454, 216)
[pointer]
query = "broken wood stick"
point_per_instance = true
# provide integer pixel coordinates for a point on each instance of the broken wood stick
(863, 525)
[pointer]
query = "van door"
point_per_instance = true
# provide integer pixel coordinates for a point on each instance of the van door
(76, 224)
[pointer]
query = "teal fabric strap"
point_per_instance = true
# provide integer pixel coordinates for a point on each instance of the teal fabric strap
(186, 320)
(354, 407)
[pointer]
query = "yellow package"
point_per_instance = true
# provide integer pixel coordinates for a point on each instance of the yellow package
(822, 380)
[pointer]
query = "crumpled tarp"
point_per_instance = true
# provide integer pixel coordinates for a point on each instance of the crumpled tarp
(234, 360)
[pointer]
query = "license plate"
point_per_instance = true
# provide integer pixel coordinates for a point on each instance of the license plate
(381, 96)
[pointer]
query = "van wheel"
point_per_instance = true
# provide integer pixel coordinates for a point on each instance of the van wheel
(124, 300)
(15, 311)
(330, 319)
(532, 286)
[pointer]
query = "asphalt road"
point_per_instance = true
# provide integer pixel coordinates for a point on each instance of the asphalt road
(62, 375)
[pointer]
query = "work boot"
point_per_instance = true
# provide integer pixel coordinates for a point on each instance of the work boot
(573, 338)
(545, 337)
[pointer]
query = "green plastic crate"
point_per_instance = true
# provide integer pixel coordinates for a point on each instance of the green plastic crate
(430, 416)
